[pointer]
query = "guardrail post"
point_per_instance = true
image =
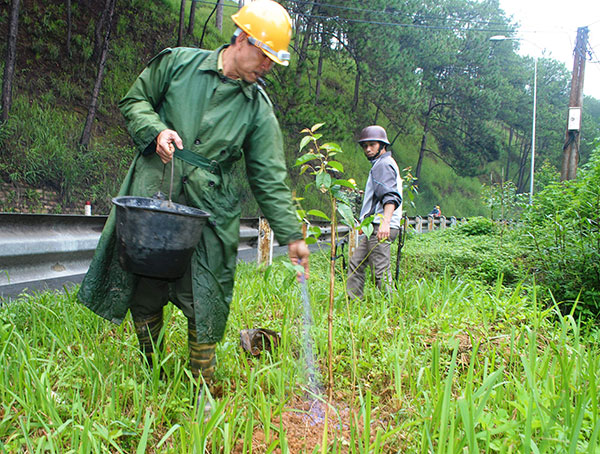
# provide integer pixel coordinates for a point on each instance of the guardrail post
(430, 223)
(418, 224)
(452, 221)
(442, 222)
(265, 242)
(352, 241)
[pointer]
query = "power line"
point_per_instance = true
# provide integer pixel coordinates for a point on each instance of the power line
(399, 24)
(404, 25)
(394, 13)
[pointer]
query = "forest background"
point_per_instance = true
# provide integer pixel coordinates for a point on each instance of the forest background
(457, 106)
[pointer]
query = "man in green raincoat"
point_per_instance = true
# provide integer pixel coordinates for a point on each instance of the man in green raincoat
(206, 109)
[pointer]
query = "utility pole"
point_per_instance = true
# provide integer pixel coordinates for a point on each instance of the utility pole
(571, 147)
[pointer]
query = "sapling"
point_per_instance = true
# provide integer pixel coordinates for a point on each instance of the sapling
(318, 159)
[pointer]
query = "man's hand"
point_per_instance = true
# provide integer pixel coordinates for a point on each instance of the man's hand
(298, 253)
(384, 228)
(164, 144)
(383, 233)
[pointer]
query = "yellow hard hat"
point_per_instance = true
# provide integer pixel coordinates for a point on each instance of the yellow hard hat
(268, 26)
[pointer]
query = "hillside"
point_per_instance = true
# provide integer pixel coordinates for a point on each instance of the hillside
(42, 166)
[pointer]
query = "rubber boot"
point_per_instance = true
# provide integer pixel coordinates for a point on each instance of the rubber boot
(148, 330)
(202, 363)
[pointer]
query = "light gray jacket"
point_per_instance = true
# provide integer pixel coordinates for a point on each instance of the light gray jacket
(384, 186)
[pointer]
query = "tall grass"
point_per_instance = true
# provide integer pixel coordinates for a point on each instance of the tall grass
(445, 366)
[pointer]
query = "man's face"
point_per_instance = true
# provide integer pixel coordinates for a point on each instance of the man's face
(251, 62)
(371, 149)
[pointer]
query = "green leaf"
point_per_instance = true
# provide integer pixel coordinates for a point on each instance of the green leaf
(336, 165)
(345, 183)
(323, 180)
(347, 215)
(315, 231)
(310, 240)
(305, 158)
(332, 146)
(317, 126)
(304, 141)
(317, 136)
(304, 168)
(318, 213)
(367, 225)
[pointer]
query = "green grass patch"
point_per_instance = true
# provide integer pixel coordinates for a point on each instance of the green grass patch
(443, 365)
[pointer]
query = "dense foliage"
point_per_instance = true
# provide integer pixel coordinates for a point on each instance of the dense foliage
(564, 226)
(456, 105)
(555, 243)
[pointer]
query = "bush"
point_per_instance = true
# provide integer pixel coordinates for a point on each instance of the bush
(477, 226)
(563, 225)
(477, 250)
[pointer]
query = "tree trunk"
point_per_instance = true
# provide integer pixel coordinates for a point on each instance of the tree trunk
(190, 30)
(69, 27)
(319, 73)
(181, 23)
(522, 181)
(424, 139)
(302, 53)
(356, 88)
(219, 16)
(206, 24)
(508, 149)
(89, 121)
(11, 58)
(98, 32)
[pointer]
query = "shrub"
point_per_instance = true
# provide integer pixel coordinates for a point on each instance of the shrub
(563, 226)
(476, 250)
(477, 226)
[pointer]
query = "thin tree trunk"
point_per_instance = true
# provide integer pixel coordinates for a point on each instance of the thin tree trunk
(69, 27)
(206, 24)
(181, 23)
(356, 88)
(508, 149)
(522, 180)
(424, 139)
(319, 73)
(98, 32)
(219, 16)
(302, 54)
(192, 20)
(89, 121)
(11, 58)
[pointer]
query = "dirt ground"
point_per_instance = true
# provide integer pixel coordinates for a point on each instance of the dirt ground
(303, 423)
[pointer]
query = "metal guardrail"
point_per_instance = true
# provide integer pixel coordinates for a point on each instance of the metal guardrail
(43, 251)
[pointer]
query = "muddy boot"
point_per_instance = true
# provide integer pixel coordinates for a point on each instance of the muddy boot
(148, 330)
(202, 363)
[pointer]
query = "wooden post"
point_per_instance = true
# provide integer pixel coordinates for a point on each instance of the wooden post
(430, 223)
(452, 221)
(418, 224)
(265, 243)
(571, 147)
(442, 222)
(352, 241)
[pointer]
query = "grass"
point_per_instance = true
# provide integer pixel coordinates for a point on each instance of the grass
(446, 366)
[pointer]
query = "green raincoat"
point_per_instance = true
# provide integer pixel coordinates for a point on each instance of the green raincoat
(221, 120)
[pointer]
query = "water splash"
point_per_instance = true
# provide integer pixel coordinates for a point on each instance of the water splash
(314, 384)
